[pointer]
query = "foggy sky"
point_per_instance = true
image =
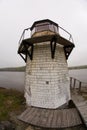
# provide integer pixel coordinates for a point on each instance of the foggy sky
(16, 15)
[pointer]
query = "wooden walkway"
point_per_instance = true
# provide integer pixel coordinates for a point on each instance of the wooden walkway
(77, 92)
(83, 110)
(51, 118)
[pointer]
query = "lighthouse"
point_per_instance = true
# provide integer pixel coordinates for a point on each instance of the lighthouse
(47, 78)
(47, 84)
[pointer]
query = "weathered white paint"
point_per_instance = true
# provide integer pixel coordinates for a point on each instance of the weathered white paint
(47, 79)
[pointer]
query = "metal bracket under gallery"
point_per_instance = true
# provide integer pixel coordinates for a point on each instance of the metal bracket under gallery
(26, 47)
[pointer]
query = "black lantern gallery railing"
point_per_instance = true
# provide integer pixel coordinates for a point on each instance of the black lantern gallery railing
(61, 31)
(59, 35)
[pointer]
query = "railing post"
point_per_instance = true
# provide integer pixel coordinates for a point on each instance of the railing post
(74, 83)
(80, 86)
(70, 82)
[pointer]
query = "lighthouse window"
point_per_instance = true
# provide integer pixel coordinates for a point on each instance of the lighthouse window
(33, 31)
(42, 28)
(53, 28)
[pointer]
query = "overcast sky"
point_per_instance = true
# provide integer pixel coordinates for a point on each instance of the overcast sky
(16, 15)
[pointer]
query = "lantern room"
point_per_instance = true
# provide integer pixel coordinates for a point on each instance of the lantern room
(45, 26)
(42, 31)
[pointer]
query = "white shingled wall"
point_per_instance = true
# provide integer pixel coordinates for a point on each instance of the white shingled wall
(47, 79)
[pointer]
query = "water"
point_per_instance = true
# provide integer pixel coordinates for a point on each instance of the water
(15, 80)
(80, 74)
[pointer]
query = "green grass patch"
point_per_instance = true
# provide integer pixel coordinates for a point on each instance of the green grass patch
(78, 67)
(10, 101)
(17, 69)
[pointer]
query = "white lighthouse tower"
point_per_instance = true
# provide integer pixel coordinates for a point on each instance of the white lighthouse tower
(47, 89)
(47, 79)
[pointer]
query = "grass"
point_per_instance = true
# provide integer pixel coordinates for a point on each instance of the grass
(10, 101)
(78, 67)
(19, 69)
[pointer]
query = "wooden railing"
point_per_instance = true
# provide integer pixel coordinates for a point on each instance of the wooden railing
(73, 84)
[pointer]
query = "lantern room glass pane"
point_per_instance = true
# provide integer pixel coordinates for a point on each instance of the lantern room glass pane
(53, 28)
(42, 28)
(46, 26)
(33, 31)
